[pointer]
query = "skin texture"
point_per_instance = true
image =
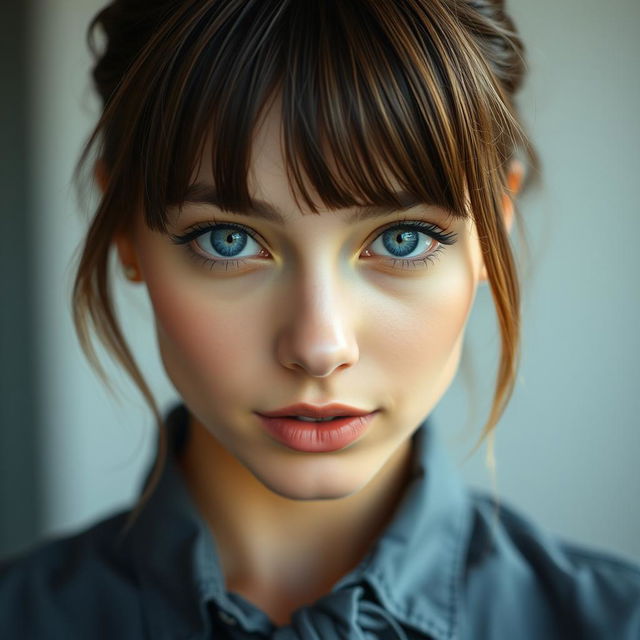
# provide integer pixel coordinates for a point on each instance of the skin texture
(311, 318)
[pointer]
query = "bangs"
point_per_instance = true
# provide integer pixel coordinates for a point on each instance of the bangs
(376, 98)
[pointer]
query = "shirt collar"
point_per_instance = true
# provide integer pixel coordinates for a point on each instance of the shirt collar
(417, 564)
(414, 568)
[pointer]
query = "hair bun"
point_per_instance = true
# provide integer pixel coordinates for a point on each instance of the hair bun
(127, 26)
(495, 33)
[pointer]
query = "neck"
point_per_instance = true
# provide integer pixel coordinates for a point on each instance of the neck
(271, 544)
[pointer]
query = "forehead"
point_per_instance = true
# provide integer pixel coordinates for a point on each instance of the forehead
(272, 193)
(267, 178)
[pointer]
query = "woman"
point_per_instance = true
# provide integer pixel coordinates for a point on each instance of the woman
(311, 194)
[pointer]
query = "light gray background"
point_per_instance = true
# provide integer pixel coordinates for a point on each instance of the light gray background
(569, 443)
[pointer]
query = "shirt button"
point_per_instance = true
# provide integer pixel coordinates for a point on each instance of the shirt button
(226, 618)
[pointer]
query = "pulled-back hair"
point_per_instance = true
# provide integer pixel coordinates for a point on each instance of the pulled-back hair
(374, 93)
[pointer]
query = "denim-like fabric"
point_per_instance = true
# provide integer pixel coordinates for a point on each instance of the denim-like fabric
(448, 566)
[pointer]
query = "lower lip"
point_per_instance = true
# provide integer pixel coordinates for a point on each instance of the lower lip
(317, 437)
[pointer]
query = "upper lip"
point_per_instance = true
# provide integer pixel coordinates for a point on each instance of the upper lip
(312, 411)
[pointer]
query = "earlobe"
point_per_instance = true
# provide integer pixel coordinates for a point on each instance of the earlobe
(128, 256)
(515, 178)
(123, 240)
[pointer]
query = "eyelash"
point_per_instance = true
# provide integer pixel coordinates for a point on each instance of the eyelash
(426, 228)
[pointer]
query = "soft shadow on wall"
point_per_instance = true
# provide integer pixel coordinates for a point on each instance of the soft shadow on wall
(20, 496)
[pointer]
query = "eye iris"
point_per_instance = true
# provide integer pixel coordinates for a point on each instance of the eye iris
(406, 241)
(227, 242)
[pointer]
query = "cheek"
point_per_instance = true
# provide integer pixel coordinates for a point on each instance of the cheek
(448, 311)
(421, 341)
(200, 343)
(202, 335)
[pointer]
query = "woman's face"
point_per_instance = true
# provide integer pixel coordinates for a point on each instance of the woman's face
(311, 310)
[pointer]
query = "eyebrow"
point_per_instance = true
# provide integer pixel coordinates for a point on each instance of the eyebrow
(200, 193)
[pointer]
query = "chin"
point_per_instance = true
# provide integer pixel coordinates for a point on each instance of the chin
(311, 481)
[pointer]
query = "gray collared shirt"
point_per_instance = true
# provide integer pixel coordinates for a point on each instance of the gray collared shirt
(446, 567)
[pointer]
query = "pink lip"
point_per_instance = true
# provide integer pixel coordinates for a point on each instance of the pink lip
(321, 437)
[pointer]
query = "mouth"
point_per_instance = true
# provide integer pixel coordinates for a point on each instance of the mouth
(316, 435)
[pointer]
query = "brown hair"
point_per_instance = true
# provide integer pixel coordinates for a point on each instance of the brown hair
(426, 85)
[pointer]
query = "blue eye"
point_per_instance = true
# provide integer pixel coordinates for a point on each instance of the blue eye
(227, 241)
(411, 243)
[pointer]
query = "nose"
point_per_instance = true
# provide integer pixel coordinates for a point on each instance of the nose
(318, 331)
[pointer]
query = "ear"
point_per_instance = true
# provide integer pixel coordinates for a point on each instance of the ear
(128, 256)
(515, 176)
(123, 240)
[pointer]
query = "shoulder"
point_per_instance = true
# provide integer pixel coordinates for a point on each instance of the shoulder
(549, 582)
(77, 586)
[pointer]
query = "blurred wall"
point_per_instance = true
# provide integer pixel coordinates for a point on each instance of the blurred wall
(94, 447)
(567, 446)
(20, 495)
